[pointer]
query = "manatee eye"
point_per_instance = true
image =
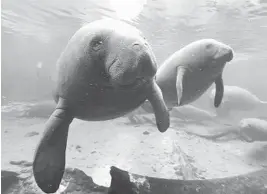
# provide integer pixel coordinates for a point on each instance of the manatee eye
(96, 45)
(211, 50)
(208, 46)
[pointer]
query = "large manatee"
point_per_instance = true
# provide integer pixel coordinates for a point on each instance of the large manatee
(106, 71)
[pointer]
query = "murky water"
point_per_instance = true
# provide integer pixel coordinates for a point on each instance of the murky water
(35, 32)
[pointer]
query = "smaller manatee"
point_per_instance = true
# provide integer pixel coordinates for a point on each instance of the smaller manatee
(188, 73)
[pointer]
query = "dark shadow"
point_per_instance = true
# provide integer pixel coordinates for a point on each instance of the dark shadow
(8, 178)
(124, 182)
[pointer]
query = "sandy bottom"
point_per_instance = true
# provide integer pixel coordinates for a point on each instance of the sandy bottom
(95, 146)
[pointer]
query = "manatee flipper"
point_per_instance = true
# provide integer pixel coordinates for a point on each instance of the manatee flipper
(219, 91)
(179, 84)
(49, 158)
(161, 112)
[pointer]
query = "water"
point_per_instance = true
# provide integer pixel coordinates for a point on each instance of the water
(35, 32)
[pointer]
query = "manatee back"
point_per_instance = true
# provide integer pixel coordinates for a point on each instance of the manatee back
(238, 98)
(254, 128)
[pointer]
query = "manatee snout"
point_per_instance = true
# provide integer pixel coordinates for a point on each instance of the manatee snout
(225, 52)
(136, 62)
(229, 54)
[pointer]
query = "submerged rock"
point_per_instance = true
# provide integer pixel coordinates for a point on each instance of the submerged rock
(8, 179)
(123, 182)
(76, 181)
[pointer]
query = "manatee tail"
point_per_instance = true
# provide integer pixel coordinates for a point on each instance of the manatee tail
(49, 158)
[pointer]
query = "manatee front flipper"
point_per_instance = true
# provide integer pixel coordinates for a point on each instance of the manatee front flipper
(219, 91)
(161, 112)
(179, 84)
(49, 158)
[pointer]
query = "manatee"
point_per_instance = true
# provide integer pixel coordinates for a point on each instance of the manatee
(189, 72)
(253, 129)
(190, 112)
(248, 129)
(106, 71)
(238, 99)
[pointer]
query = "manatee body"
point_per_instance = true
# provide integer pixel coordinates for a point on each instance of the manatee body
(189, 112)
(237, 99)
(189, 72)
(248, 129)
(253, 129)
(106, 71)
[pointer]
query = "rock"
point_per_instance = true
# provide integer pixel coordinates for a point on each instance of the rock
(31, 134)
(8, 178)
(123, 182)
(146, 133)
(21, 163)
(76, 181)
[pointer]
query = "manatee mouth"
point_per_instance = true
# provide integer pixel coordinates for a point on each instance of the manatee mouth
(225, 55)
(126, 84)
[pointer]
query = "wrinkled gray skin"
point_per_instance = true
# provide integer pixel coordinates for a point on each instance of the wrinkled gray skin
(189, 72)
(106, 71)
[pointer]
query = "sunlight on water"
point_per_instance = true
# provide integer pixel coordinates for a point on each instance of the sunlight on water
(127, 10)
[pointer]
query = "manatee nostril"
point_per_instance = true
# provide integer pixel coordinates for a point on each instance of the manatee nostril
(137, 46)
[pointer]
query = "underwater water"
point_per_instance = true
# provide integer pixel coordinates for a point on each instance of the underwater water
(34, 33)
